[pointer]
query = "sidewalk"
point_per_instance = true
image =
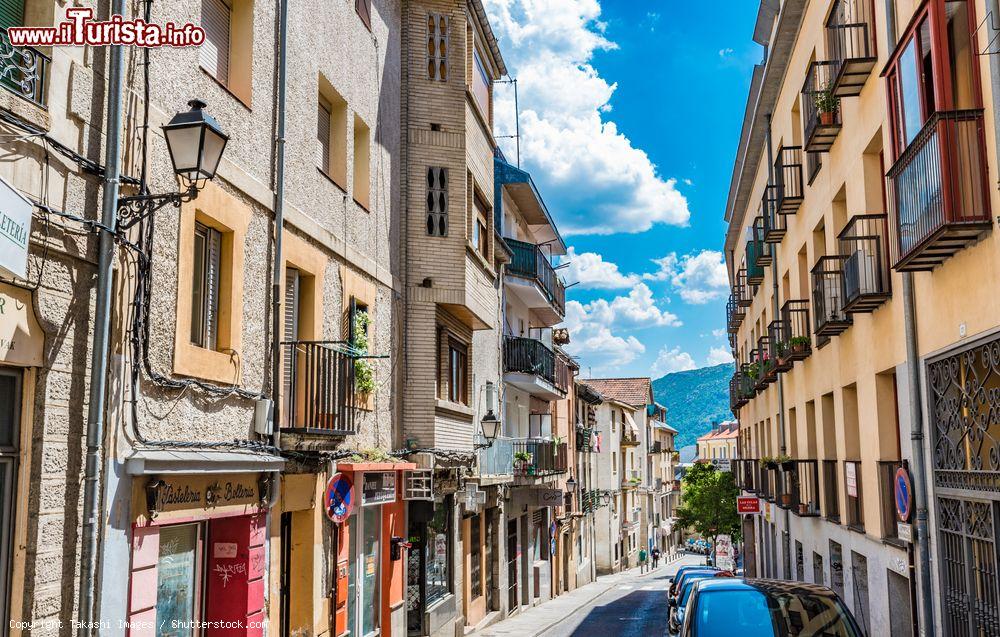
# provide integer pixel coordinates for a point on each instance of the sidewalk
(535, 621)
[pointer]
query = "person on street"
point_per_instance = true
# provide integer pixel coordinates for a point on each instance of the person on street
(642, 560)
(656, 557)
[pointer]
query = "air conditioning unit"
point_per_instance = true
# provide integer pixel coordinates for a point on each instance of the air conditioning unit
(861, 274)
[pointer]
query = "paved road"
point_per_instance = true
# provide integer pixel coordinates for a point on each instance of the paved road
(634, 607)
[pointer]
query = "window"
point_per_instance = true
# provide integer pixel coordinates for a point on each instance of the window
(480, 234)
(205, 287)
(437, 565)
(437, 202)
(331, 135)
(178, 581)
(481, 85)
(216, 19)
(614, 462)
(475, 556)
(458, 391)
(362, 163)
(437, 47)
(614, 416)
(364, 9)
(227, 53)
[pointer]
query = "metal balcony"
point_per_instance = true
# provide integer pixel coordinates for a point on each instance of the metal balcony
(531, 265)
(795, 329)
(318, 387)
(821, 108)
(531, 365)
(538, 457)
(850, 37)
(864, 242)
(939, 191)
(23, 71)
(788, 180)
(829, 315)
(774, 221)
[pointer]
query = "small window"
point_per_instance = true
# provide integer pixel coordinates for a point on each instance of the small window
(362, 163)
(480, 235)
(458, 355)
(216, 19)
(437, 202)
(437, 47)
(323, 136)
(331, 134)
(205, 287)
(364, 9)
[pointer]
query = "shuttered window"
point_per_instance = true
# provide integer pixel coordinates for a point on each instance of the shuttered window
(216, 16)
(205, 287)
(323, 136)
(290, 334)
(11, 13)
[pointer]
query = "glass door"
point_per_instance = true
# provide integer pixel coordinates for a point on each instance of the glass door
(178, 581)
(10, 414)
(363, 602)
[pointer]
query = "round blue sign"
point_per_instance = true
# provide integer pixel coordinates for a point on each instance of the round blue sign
(903, 494)
(338, 499)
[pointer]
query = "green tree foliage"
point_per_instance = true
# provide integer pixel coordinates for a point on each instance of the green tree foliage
(708, 502)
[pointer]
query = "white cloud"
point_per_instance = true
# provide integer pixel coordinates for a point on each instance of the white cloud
(639, 309)
(698, 278)
(592, 272)
(718, 356)
(726, 52)
(591, 336)
(565, 139)
(672, 360)
(719, 333)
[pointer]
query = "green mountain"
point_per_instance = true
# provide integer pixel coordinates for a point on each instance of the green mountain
(694, 399)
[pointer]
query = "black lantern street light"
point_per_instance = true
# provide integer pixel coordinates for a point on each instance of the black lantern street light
(571, 485)
(490, 421)
(196, 143)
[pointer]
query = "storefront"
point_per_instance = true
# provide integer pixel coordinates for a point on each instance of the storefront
(199, 551)
(21, 341)
(431, 601)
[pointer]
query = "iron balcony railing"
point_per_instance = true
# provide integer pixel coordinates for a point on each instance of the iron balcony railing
(821, 108)
(887, 499)
(768, 369)
(864, 242)
(735, 313)
(850, 37)
(742, 291)
(788, 181)
(319, 387)
(829, 315)
(831, 491)
(656, 447)
(498, 458)
(779, 346)
(799, 480)
(23, 70)
(539, 457)
(939, 190)
(854, 505)
(532, 356)
(774, 220)
(584, 439)
(795, 328)
(768, 483)
(531, 263)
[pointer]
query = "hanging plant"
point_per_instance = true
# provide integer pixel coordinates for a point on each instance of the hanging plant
(364, 374)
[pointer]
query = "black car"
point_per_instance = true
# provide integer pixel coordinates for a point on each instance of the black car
(722, 607)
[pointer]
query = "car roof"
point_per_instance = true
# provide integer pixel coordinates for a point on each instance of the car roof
(767, 586)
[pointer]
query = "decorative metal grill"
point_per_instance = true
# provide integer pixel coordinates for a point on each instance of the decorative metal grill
(968, 568)
(23, 70)
(850, 37)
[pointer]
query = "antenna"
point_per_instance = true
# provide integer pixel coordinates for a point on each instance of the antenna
(517, 119)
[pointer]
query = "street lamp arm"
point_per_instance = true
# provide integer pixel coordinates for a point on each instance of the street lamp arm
(133, 209)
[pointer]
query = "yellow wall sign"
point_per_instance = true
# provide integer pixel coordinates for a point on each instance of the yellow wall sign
(169, 495)
(21, 337)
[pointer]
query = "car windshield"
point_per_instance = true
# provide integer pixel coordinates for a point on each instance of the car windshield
(689, 586)
(751, 613)
(686, 577)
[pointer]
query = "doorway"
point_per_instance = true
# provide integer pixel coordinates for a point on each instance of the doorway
(512, 557)
(10, 416)
(364, 530)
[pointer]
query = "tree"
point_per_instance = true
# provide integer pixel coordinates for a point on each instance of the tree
(708, 502)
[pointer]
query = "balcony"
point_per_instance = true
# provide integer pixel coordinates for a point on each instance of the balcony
(778, 345)
(774, 221)
(746, 474)
(795, 329)
(24, 71)
(756, 252)
(742, 292)
(656, 447)
(766, 364)
(736, 397)
(629, 439)
(939, 192)
(864, 242)
(831, 493)
(584, 439)
(799, 487)
(735, 313)
(535, 282)
(788, 181)
(538, 457)
(821, 108)
(850, 38)
(318, 388)
(529, 364)
(830, 318)
(498, 458)
(767, 481)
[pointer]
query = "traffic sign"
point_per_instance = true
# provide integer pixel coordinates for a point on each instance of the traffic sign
(748, 504)
(338, 498)
(903, 494)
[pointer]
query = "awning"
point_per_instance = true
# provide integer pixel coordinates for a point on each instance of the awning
(159, 461)
(630, 423)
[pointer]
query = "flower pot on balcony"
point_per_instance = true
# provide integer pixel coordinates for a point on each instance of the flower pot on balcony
(786, 499)
(788, 465)
(803, 508)
(828, 118)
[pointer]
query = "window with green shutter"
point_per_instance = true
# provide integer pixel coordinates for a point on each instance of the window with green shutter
(11, 13)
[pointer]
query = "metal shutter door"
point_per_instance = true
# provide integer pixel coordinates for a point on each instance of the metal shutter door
(215, 19)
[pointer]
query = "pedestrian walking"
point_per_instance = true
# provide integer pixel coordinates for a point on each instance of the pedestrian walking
(656, 557)
(642, 560)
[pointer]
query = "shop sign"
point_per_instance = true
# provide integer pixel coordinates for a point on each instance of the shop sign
(851, 478)
(722, 464)
(378, 487)
(338, 498)
(549, 497)
(20, 334)
(15, 227)
(206, 493)
(748, 504)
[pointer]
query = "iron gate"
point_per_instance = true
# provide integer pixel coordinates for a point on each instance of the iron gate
(968, 565)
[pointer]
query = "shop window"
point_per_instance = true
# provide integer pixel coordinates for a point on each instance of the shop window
(178, 580)
(227, 53)
(458, 373)
(437, 201)
(205, 287)
(331, 134)
(475, 556)
(437, 47)
(10, 404)
(362, 163)
(437, 550)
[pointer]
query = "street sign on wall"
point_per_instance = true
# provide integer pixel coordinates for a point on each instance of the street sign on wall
(748, 504)
(15, 227)
(338, 498)
(851, 478)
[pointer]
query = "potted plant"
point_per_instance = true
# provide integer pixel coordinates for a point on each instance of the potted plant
(364, 375)
(803, 508)
(786, 462)
(786, 500)
(827, 104)
(799, 344)
(522, 461)
(753, 370)
(768, 462)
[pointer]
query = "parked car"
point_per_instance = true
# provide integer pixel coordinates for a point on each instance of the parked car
(722, 607)
(678, 605)
(680, 572)
(679, 580)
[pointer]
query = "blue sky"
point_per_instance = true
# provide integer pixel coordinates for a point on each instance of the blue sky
(630, 116)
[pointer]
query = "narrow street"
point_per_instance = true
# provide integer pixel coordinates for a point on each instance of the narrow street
(626, 604)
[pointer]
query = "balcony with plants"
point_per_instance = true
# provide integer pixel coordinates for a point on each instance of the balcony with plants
(821, 107)
(798, 488)
(789, 185)
(794, 329)
(864, 242)
(537, 457)
(321, 384)
(850, 40)
(830, 317)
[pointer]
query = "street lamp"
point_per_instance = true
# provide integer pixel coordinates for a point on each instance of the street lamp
(196, 143)
(490, 421)
(571, 485)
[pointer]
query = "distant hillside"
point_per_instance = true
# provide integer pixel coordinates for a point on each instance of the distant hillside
(694, 399)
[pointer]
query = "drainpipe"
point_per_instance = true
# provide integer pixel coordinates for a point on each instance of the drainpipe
(993, 28)
(102, 329)
(279, 221)
(919, 467)
(786, 538)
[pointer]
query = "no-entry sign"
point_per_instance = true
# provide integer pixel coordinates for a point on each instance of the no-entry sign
(748, 504)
